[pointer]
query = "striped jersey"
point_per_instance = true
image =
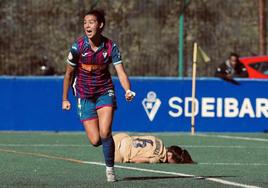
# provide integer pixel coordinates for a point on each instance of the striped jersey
(92, 77)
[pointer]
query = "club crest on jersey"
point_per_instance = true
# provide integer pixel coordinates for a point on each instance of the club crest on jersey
(151, 105)
(111, 93)
(104, 53)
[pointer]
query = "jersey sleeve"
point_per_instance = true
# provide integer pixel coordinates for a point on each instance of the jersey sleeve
(73, 55)
(154, 160)
(116, 56)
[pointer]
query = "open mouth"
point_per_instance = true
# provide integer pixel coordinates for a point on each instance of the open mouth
(89, 31)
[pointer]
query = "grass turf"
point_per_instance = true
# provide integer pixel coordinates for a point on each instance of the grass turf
(38, 159)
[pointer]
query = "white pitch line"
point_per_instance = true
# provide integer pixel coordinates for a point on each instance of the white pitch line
(223, 146)
(234, 137)
(217, 180)
(87, 145)
(236, 164)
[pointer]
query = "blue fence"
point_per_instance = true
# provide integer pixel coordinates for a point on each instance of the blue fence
(161, 104)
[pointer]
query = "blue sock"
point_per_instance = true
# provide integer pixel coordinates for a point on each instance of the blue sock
(108, 150)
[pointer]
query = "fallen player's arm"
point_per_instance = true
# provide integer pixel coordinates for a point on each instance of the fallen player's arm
(139, 160)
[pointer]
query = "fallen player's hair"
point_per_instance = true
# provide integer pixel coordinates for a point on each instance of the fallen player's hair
(180, 155)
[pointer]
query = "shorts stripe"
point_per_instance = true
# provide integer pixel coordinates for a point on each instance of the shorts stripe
(88, 119)
(98, 107)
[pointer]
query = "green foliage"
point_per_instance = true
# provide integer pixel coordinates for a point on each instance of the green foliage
(37, 32)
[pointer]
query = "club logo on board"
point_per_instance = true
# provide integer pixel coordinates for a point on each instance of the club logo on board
(151, 105)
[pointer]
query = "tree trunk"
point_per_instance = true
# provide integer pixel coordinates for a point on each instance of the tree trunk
(262, 28)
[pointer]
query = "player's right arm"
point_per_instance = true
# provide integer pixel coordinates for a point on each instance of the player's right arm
(66, 105)
(71, 64)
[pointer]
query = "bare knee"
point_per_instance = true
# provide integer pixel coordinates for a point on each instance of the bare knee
(105, 133)
(92, 132)
(95, 142)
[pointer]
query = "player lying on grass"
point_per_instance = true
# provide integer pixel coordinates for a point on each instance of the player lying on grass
(147, 149)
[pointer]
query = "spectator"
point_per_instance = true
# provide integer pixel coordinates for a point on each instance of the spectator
(231, 68)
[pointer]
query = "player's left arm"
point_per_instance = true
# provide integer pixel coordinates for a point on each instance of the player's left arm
(145, 160)
(122, 75)
(140, 160)
(123, 78)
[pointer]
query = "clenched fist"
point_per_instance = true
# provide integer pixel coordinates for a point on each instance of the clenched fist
(66, 105)
(129, 95)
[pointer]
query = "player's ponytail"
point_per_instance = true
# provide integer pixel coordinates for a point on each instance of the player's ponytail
(180, 155)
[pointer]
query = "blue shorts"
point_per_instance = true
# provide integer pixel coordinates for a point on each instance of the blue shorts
(87, 108)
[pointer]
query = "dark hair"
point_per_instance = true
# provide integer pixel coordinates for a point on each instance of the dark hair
(238, 65)
(180, 155)
(234, 54)
(99, 14)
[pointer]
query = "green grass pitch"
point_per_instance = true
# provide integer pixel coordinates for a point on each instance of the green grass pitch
(48, 159)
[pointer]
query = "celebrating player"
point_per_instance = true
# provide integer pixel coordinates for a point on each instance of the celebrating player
(87, 71)
(147, 149)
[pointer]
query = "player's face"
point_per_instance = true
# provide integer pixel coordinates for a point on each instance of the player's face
(91, 26)
(169, 158)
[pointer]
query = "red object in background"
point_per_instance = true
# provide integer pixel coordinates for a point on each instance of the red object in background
(257, 66)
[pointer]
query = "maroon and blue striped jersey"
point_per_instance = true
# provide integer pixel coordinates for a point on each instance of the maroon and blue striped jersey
(92, 77)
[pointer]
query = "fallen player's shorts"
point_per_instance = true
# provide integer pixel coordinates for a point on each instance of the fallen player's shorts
(122, 142)
(87, 108)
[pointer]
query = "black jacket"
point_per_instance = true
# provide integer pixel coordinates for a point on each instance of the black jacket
(226, 69)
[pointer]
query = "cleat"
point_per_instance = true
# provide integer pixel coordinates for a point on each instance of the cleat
(110, 174)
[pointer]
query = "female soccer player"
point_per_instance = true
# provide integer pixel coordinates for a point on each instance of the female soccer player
(87, 69)
(147, 149)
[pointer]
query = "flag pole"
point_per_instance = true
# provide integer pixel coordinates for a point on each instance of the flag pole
(193, 89)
